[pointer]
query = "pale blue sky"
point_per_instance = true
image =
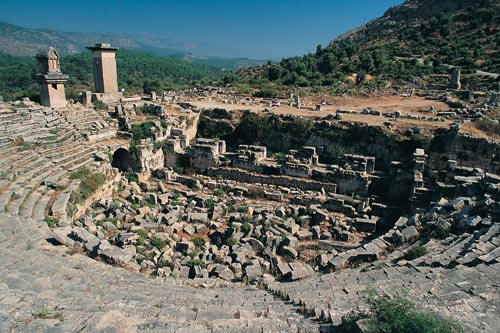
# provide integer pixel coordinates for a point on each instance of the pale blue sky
(264, 29)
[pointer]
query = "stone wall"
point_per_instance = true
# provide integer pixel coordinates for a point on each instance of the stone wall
(253, 178)
(148, 158)
(466, 150)
(112, 178)
(347, 181)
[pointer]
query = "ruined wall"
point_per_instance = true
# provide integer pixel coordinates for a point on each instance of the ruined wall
(148, 158)
(253, 178)
(466, 150)
(348, 182)
(282, 133)
(112, 178)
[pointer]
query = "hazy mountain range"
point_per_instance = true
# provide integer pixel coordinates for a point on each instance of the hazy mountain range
(20, 41)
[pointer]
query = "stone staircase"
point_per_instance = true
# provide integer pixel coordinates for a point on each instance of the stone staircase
(457, 278)
(49, 288)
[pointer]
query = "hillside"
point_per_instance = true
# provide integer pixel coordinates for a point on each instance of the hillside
(408, 42)
(20, 41)
(137, 72)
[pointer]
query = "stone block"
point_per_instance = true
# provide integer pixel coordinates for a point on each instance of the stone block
(410, 234)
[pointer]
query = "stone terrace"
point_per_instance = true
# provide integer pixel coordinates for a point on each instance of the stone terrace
(46, 288)
(49, 288)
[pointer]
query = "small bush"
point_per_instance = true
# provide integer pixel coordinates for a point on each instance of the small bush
(245, 227)
(143, 235)
(158, 243)
(132, 177)
(100, 105)
(415, 252)
(209, 203)
(198, 242)
(488, 126)
(218, 192)
(51, 221)
(396, 313)
(88, 186)
(231, 241)
(142, 131)
(196, 262)
(41, 313)
(243, 209)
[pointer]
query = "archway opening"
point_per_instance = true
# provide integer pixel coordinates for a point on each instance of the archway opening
(122, 160)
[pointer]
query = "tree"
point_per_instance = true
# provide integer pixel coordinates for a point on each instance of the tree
(361, 77)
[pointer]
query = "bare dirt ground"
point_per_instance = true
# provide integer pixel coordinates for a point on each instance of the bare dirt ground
(383, 103)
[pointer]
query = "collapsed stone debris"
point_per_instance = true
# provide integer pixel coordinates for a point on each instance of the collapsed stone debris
(215, 221)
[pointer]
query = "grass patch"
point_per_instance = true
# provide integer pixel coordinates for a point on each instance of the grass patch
(396, 313)
(198, 242)
(415, 252)
(488, 126)
(231, 241)
(80, 173)
(196, 262)
(51, 221)
(21, 144)
(158, 243)
(43, 313)
(132, 177)
(88, 186)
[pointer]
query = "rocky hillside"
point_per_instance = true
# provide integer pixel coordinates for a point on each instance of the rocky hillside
(411, 40)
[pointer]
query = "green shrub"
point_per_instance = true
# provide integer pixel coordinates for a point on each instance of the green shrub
(51, 221)
(245, 227)
(218, 192)
(209, 203)
(231, 241)
(100, 105)
(198, 242)
(395, 313)
(415, 252)
(158, 243)
(196, 262)
(132, 177)
(143, 235)
(41, 313)
(142, 131)
(243, 209)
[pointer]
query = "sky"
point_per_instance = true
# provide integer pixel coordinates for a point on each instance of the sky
(264, 29)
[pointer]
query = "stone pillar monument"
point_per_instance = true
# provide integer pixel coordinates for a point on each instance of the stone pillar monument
(50, 78)
(105, 77)
(455, 79)
(297, 101)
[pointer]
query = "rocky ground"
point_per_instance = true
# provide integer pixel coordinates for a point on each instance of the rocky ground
(219, 261)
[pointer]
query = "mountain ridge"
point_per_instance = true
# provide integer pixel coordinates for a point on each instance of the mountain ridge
(21, 41)
(410, 41)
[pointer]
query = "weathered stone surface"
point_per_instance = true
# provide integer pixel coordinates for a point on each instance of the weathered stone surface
(113, 253)
(224, 272)
(410, 234)
(90, 242)
(299, 271)
(253, 271)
